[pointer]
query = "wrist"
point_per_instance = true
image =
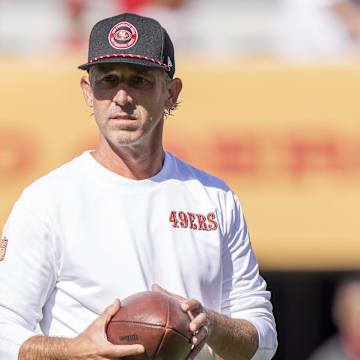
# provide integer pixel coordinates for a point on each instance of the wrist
(69, 349)
(210, 322)
(76, 349)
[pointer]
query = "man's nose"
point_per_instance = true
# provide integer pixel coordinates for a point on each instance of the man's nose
(122, 97)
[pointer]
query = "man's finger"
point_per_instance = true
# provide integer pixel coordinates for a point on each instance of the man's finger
(158, 288)
(125, 350)
(201, 334)
(192, 305)
(114, 308)
(110, 311)
(196, 349)
(198, 322)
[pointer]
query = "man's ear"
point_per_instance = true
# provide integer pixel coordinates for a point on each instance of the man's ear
(87, 91)
(174, 89)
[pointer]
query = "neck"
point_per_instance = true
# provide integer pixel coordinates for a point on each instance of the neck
(130, 161)
(351, 345)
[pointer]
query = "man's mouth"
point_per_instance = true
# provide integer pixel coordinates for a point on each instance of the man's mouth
(122, 117)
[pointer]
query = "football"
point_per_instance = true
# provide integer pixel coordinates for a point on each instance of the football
(154, 320)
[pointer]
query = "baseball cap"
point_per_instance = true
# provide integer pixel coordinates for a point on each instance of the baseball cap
(131, 38)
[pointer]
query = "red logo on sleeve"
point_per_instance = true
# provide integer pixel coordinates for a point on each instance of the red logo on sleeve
(187, 219)
(3, 245)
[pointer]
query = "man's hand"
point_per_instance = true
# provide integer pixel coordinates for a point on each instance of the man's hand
(229, 338)
(91, 344)
(200, 323)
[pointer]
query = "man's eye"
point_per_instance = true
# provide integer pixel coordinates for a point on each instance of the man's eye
(109, 79)
(138, 80)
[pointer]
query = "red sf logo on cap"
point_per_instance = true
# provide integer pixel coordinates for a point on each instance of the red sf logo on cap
(123, 35)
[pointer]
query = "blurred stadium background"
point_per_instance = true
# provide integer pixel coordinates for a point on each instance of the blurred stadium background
(270, 104)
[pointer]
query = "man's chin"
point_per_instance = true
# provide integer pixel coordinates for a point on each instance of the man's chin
(130, 139)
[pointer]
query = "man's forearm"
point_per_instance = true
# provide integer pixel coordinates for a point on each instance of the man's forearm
(232, 338)
(43, 347)
(90, 344)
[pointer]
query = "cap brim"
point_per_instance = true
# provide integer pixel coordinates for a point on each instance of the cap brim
(142, 62)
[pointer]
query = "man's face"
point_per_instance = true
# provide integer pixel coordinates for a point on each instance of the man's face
(128, 102)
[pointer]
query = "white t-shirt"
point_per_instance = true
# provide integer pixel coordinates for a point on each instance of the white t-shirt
(82, 236)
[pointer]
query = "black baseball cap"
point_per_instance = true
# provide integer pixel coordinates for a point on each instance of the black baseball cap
(131, 38)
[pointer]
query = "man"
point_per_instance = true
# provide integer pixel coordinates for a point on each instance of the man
(129, 217)
(345, 344)
(313, 30)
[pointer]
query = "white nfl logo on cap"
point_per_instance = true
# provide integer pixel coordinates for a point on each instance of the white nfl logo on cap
(169, 62)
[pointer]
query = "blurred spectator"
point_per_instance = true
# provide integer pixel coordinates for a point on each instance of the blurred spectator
(345, 344)
(136, 5)
(203, 28)
(316, 29)
(172, 14)
(131, 5)
(76, 28)
(348, 12)
(77, 9)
